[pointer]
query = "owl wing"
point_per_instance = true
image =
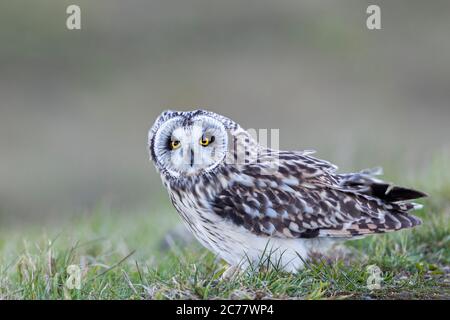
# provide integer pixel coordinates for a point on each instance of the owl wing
(294, 195)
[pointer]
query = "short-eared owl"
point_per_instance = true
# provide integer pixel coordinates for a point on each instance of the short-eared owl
(241, 199)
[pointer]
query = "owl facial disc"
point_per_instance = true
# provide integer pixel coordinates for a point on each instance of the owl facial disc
(188, 143)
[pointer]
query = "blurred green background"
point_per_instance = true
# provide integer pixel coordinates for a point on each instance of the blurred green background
(75, 106)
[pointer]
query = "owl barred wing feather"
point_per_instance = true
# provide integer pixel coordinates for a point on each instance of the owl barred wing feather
(304, 198)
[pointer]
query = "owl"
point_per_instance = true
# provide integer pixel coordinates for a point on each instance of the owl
(244, 201)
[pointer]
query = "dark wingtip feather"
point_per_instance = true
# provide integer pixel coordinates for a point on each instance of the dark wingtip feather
(393, 194)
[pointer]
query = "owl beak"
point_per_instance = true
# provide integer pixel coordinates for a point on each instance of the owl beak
(192, 157)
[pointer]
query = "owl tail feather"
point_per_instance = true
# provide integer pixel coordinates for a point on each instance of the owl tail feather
(364, 182)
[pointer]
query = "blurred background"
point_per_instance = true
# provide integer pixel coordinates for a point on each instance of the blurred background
(75, 106)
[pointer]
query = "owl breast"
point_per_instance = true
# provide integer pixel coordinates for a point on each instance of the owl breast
(212, 231)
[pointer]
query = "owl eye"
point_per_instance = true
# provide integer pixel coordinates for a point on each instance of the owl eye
(174, 144)
(204, 141)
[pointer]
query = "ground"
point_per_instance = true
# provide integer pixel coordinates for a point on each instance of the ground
(132, 256)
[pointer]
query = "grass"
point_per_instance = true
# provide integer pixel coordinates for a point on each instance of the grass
(126, 257)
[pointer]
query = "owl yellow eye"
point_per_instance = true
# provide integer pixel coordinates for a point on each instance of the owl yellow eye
(204, 141)
(175, 144)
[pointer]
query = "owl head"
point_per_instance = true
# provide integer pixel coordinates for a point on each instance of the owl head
(188, 143)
